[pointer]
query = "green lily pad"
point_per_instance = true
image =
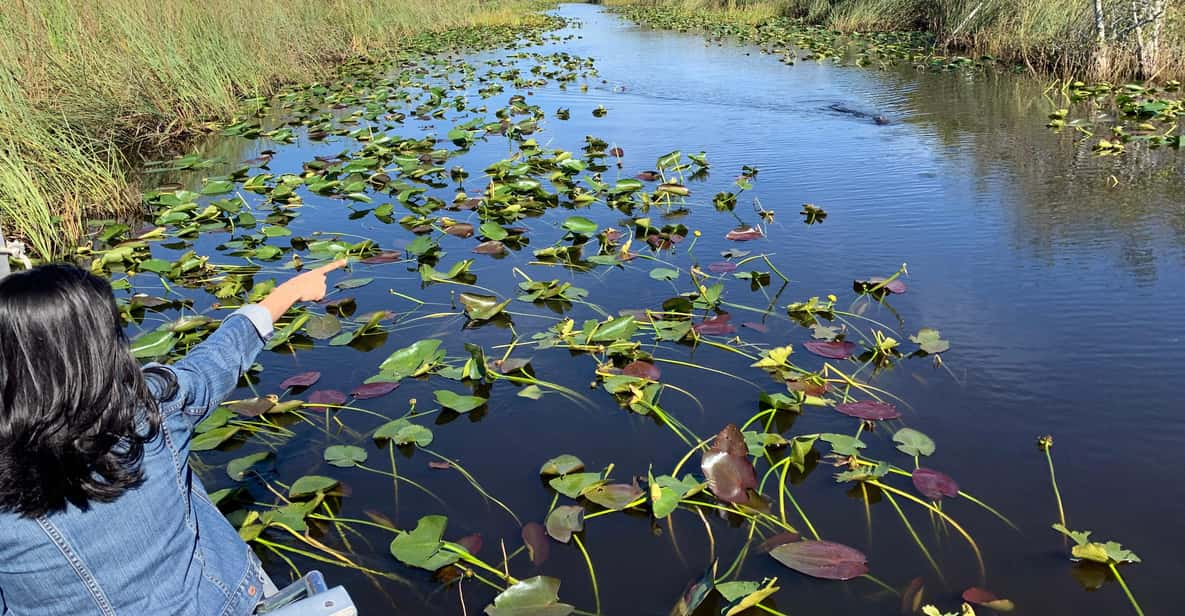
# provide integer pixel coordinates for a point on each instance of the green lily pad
(537, 596)
(311, 484)
(237, 469)
(345, 456)
(422, 547)
(404, 432)
(561, 465)
(458, 402)
(914, 443)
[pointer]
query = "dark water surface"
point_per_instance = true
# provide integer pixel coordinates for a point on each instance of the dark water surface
(1057, 277)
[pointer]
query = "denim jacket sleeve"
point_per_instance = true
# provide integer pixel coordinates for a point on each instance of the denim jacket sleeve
(209, 372)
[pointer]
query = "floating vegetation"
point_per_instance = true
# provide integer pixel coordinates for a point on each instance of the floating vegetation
(482, 253)
(1115, 116)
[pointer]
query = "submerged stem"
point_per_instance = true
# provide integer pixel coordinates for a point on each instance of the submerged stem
(1127, 591)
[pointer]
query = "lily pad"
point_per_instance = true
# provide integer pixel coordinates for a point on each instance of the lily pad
(367, 391)
(933, 484)
(311, 484)
(616, 496)
(744, 595)
(561, 465)
(833, 349)
(914, 443)
(822, 559)
(304, 379)
(237, 469)
(535, 538)
(422, 547)
(458, 402)
(404, 432)
(727, 467)
(744, 234)
(870, 410)
(930, 341)
(481, 307)
(345, 456)
(322, 399)
(988, 599)
(537, 596)
(563, 521)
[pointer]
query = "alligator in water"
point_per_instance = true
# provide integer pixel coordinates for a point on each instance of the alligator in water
(856, 113)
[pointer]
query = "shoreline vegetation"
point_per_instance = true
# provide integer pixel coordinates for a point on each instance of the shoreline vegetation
(90, 89)
(88, 92)
(1094, 40)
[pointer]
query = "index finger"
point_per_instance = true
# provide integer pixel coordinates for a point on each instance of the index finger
(336, 265)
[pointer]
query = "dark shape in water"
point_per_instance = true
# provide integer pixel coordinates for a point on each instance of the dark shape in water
(649, 176)
(896, 286)
(856, 113)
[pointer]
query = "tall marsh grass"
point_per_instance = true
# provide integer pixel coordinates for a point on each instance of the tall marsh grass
(1054, 36)
(86, 85)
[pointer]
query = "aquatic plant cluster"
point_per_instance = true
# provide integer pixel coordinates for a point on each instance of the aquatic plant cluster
(1125, 114)
(402, 129)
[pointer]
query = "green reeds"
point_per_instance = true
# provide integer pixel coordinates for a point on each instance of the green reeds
(84, 86)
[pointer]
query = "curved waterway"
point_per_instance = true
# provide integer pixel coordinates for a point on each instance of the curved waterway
(1057, 277)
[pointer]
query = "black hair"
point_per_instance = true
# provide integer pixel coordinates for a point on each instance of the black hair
(75, 410)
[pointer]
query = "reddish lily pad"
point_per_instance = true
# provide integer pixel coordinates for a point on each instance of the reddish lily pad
(727, 466)
(988, 599)
(368, 391)
(933, 484)
(617, 152)
(834, 349)
(718, 325)
(304, 379)
(492, 247)
(325, 396)
(535, 538)
(472, 543)
(871, 410)
(722, 267)
(744, 234)
(438, 465)
(386, 256)
(809, 386)
(642, 370)
(649, 176)
(755, 326)
(822, 559)
(779, 539)
(461, 229)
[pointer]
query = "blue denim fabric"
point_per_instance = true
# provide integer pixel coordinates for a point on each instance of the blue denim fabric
(162, 548)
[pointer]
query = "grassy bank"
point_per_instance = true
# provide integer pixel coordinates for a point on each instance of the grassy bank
(1058, 36)
(87, 85)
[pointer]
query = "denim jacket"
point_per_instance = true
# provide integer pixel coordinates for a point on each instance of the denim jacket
(161, 548)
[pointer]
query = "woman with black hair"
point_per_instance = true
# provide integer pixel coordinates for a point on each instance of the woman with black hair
(100, 513)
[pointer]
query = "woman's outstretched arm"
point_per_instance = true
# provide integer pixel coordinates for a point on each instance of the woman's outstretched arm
(210, 371)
